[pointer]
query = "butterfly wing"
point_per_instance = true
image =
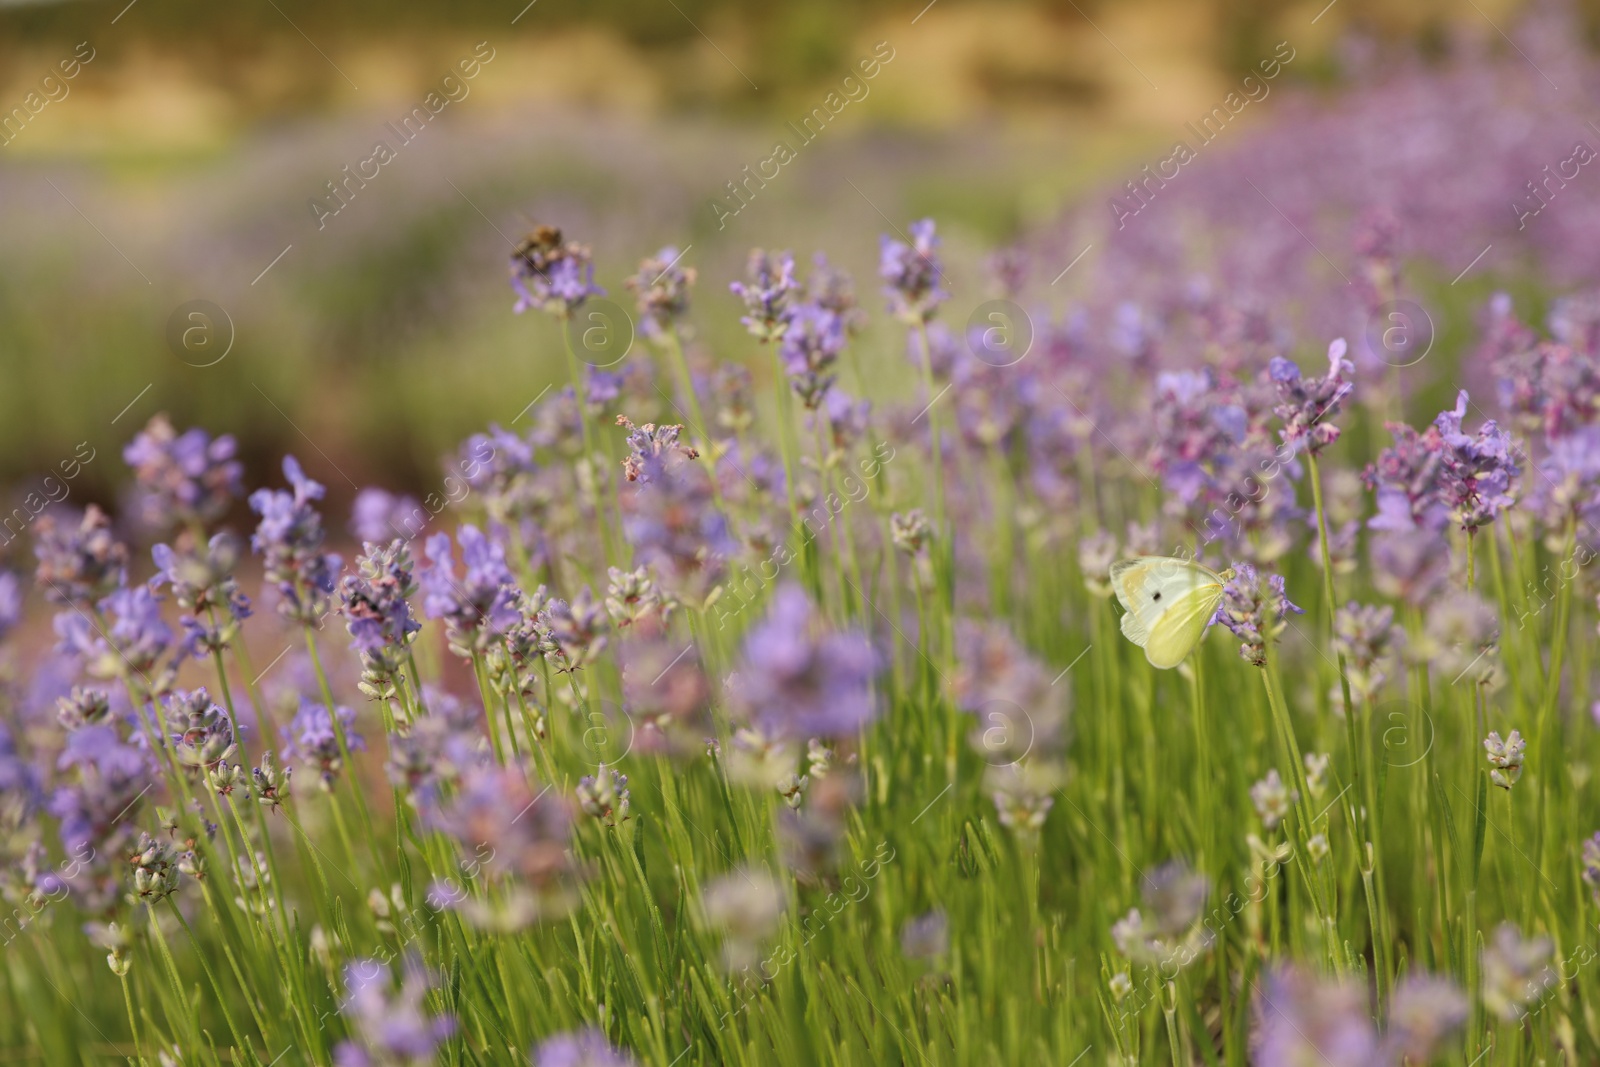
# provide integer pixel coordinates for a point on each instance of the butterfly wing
(1181, 627)
(1168, 602)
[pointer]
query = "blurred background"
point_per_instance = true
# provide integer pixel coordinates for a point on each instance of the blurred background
(180, 161)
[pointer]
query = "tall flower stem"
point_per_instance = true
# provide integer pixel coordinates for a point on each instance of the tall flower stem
(1549, 728)
(1204, 766)
(133, 1022)
(680, 366)
(344, 755)
(1357, 777)
(594, 449)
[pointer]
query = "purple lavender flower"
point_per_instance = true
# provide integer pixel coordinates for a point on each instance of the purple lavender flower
(1591, 865)
(731, 390)
(848, 419)
(577, 629)
(516, 833)
(664, 688)
(800, 680)
(1306, 405)
(1479, 471)
(653, 448)
(1255, 611)
(1550, 387)
(1008, 690)
(1411, 564)
(1367, 638)
(10, 602)
(926, 936)
(435, 749)
(833, 289)
(188, 478)
(79, 565)
(203, 585)
(580, 1048)
(500, 468)
(1301, 1019)
(1197, 429)
(1423, 1014)
(83, 707)
(1510, 965)
(766, 297)
(661, 289)
(913, 273)
(95, 810)
(132, 641)
(378, 614)
(204, 736)
(477, 605)
(1165, 931)
(20, 788)
(380, 516)
(809, 349)
(313, 739)
(602, 388)
(1009, 269)
(289, 538)
(550, 275)
(669, 514)
(1407, 478)
(388, 1023)
(1568, 489)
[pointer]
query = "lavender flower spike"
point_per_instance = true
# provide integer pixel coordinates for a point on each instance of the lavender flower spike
(552, 275)
(478, 604)
(799, 680)
(581, 1048)
(189, 478)
(766, 297)
(1480, 470)
(912, 273)
(388, 1023)
(1255, 611)
(289, 538)
(1306, 405)
(661, 289)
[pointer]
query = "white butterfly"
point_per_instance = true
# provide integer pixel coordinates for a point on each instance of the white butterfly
(1169, 603)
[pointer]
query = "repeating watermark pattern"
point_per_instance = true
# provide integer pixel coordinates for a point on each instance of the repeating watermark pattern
(754, 979)
(1400, 332)
(52, 88)
(51, 490)
(1257, 885)
(601, 332)
(999, 333)
(453, 88)
(852, 89)
(200, 333)
(36, 903)
(1406, 741)
(1141, 191)
(1543, 190)
(738, 593)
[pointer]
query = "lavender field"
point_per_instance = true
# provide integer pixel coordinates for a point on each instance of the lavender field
(1160, 630)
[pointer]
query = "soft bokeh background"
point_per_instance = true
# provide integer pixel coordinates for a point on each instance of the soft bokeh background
(181, 162)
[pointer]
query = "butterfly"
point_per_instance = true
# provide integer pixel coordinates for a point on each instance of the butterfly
(1169, 603)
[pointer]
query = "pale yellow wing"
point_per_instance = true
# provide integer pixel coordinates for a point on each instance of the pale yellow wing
(1181, 627)
(1168, 602)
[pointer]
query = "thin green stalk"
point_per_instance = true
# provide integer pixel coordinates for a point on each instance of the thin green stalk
(344, 754)
(133, 1022)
